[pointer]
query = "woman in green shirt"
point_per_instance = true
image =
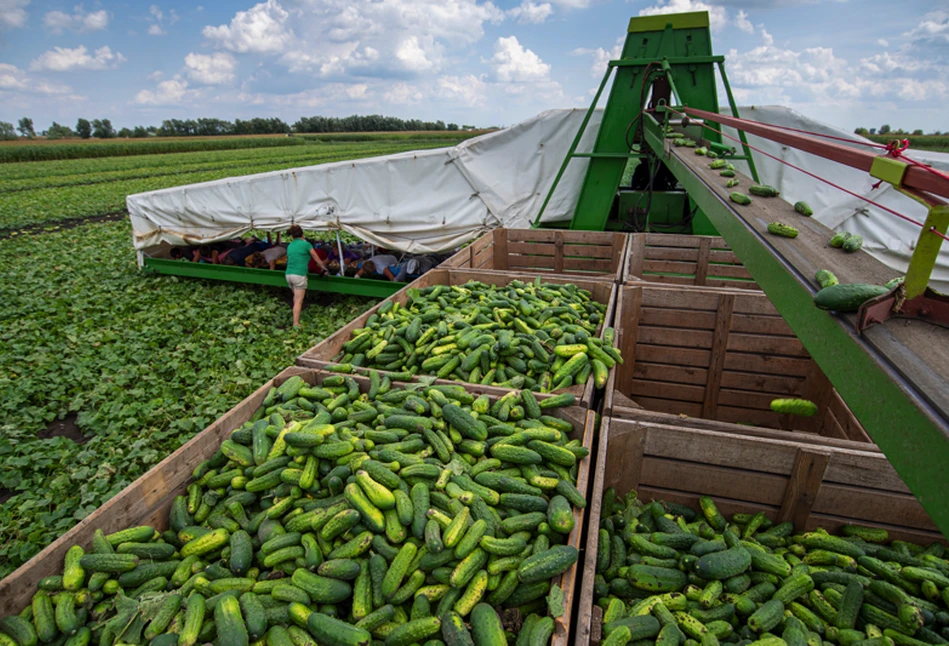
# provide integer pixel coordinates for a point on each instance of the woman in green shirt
(299, 253)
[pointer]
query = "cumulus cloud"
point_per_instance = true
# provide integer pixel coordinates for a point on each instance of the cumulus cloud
(63, 59)
(468, 90)
(403, 94)
(211, 69)
(158, 19)
(401, 38)
(933, 28)
(156, 30)
(530, 13)
(512, 62)
(742, 22)
(716, 14)
(13, 13)
(264, 28)
(171, 92)
(13, 79)
(883, 42)
(78, 21)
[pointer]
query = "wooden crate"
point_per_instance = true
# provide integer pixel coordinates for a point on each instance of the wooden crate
(147, 501)
(811, 486)
(590, 254)
(717, 355)
(602, 291)
(702, 261)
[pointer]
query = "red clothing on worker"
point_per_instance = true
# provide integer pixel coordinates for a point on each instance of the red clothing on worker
(313, 267)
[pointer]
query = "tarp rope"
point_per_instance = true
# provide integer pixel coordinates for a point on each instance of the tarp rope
(824, 180)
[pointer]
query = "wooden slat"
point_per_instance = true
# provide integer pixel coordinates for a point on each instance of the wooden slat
(500, 250)
(728, 271)
(681, 240)
(677, 356)
(675, 337)
(521, 263)
(720, 339)
(759, 382)
(668, 267)
(587, 251)
(833, 525)
(635, 256)
(758, 324)
(670, 297)
(722, 256)
(764, 344)
(587, 265)
(531, 248)
(663, 390)
(672, 407)
(755, 302)
(748, 416)
(783, 366)
(891, 508)
(675, 374)
(712, 480)
(663, 317)
(749, 399)
(702, 270)
(733, 284)
(803, 485)
(627, 335)
(669, 280)
(672, 253)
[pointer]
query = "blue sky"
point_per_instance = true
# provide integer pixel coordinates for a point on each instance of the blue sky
(484, 62)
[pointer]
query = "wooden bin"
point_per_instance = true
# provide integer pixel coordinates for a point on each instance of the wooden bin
(602, 291)
(811, 486)
(147, 501)
(717, 355)
(701, 261)
(590, 254)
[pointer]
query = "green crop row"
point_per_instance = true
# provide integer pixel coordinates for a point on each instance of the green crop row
(937, 143)
(125, 147)
(59, 203)
(145, 362)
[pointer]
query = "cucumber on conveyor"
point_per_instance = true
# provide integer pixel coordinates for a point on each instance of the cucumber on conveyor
(396, 517)
(705, 579)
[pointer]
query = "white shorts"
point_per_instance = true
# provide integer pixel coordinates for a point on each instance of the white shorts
(296, 282)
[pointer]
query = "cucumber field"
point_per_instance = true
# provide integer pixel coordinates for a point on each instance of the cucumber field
(104, 370)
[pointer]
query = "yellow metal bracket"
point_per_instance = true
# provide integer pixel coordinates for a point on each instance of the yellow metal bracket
(888, 169)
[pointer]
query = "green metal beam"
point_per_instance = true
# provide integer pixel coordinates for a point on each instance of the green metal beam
(672, 60)
(367, 287)
(914, 437)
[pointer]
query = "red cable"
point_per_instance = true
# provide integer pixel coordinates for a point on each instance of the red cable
(871, 144)
(817, 177)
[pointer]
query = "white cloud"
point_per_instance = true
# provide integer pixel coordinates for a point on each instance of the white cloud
(469, 90)
(933, 28)
(403, 94)
(513, 63)
(264, 28)
(716, 15)
(211, 69)
(883, 42)
(156, 30)
(171, 92)
(157, 17)
(364, 38)
(13, 13)
(62, 59)
(530, 13)
(601, 57)
(742, 22)
(156, 12)
(155, 76)
(13, 79)
(78, 21)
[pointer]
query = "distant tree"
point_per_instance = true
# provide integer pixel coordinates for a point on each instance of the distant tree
(861, 131)
(918, 132)
(885, 129)
(936, 133)
(140, 132)
(468, 127)
(125, 133)
(83, 128)
(873, 131)
(57, 131)
(6, 130)
(452, 126)
(102, 129)
(26, 127)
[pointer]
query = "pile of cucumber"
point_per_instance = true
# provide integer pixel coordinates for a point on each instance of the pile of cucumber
(336, 517)
(670, 575)
(540, 336)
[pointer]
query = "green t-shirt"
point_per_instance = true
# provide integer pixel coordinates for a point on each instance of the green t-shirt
(298, 257)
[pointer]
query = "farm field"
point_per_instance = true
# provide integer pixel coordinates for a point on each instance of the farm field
(122, 368)
(935, 143)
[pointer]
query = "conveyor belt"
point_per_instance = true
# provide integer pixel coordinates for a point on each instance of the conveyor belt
(894, 377)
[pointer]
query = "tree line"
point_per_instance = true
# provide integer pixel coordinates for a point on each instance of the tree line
(886, 130)
(205, 127)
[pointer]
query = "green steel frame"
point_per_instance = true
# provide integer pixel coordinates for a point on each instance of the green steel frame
(914, 437)
(676, 48)
(367, 287)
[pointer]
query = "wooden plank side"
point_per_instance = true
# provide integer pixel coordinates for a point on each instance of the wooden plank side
(763, 383)
(669, 267)
(678, 356)
(761, 324)
(713, 480)
(675, 374)
(803, 485)
(767, 344)
(576, 250)
(663, 390)
(726, 304)
(675, 337)
(782, 366)
(531, 248)
(672, 253)
(702, 269)
(671, 317)
(586, 265)
(626, 324)
(887, 507)
(728, 271)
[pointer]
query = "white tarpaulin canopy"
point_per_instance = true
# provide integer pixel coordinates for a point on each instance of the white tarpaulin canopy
(436, 200)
